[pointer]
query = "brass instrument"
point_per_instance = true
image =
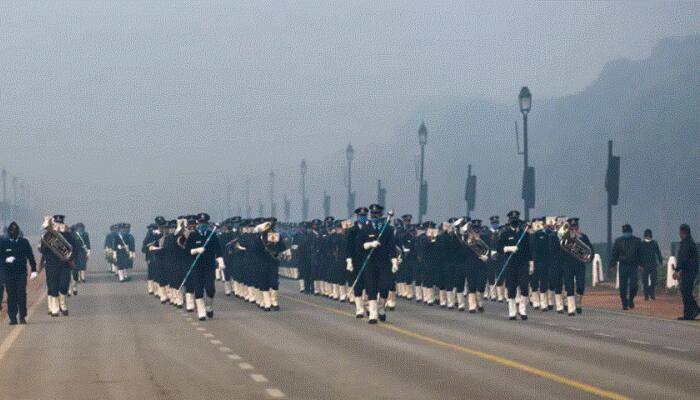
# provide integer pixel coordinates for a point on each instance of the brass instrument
(573, 245)
(54, 241)
(474, 241)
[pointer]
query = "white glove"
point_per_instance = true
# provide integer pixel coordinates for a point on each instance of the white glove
(493, 253)
(131, 255)
(10, 259)
(510, 249)
(295, 246)
(394, 265)
(348, 263)
(484, 258)
(531, 269)
(88, 252)
(405, 250)
(220, 263)
(32, 276)
(198, 250)
(371, 245)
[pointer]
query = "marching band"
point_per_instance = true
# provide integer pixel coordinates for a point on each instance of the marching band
(369, 262)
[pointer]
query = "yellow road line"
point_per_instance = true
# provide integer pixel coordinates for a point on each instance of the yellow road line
(484, 356)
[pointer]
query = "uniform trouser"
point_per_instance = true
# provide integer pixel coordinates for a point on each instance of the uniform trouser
(360, 285)
(556, 277)
(517, 276)
(690, 305)
(458, 277)
(75, 275)
(57, 280)
(149, 271)
(540, 279)
(649, 280)
(445, 276)
(203, 280)
(574, 277)
(228, 271)
(378, 279)
(269, 278)
(628, 283)
(494, 268)
(476, 278)
(16, 284)
(306, 273)
(2, 284)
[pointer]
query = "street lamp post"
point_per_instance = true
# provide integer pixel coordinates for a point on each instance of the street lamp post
(273, 206)
(525, 100)
(422, 191)
(3, 210)
(304, 201)
(349, 155)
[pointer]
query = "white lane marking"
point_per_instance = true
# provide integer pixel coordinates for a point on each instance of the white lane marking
(573, 328)
(675, 349)
(225, 349)
(201, 329)
(638, 341)
(275, 393)
(258, 378)
(234, 356)
(604, 335)
(17, 329)
(208, 335)
(215, 341)
(245, 366)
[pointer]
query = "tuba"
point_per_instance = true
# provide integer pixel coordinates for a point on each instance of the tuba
(54, 241)
(475, 242)
(573, 245)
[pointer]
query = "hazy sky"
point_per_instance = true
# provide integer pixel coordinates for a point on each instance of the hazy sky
(131, 93)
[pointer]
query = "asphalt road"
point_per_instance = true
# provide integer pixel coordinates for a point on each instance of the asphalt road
(119, 343)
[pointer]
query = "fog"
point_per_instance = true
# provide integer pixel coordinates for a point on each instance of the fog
(118, 111)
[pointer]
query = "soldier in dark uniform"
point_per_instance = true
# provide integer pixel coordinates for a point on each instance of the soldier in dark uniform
(513, 243)
(15, 253)
(109, 252)
(84, 241)
(540, 243)
(80, 257)
(203, 274)
(556, 271)
(124, 247)
(475, 267)
(574, 271)
(224, 236)
(375, 242)
(337, 264)
(495, 262)
(627, 251)
(687, 271)
(57, 269)
(354, 260)
(266, 248)
(405, 278)
(432, 256)
(153, 235)
(455, 260)
(651, 258)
